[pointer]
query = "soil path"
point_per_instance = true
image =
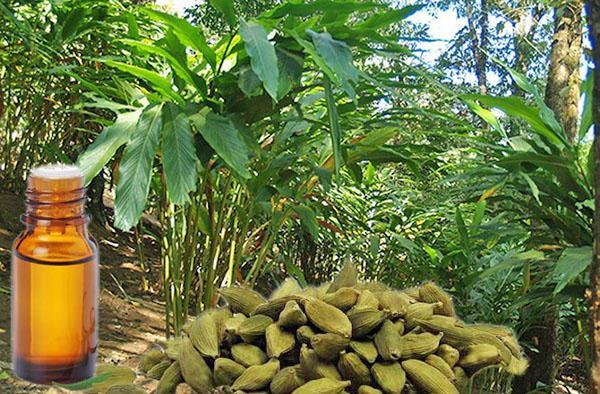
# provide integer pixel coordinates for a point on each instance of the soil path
(131, 320)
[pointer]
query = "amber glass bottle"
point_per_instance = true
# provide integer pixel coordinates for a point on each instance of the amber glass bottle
(54, 282)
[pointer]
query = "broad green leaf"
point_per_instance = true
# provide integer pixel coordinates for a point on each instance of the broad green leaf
(249, 83)
(226, 8)
(220, 133)
(188, 34)
(378, 137)
(262, 56)
(178, 154)
(515, 106)
(513, 260)
(4, 375)
(535, 191)
(487, 115)
(334, 128)
(103, 149)
(546, 113)
(135, 170)
(338, 57)
(181, 70)
(302, 8)
(571, 263)
(463, 232)
(308, 219)
(381, 19)
(312, 51)
(159, 82)
(72, 22)
(479, 213)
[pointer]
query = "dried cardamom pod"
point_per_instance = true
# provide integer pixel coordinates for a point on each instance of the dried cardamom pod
(428, 378)
(204, 334)
(156, 372)
(479, 356)
(170, 379)
(388, 342)
(393, 302)
(459, 335)
(248, 355)
(347, 277)
(273, 308)
(353, 369)
(365, 349)
(242, 299)
(126, 389)
(328, 318)
(420, 345)
(233, 323)
(226, 371)
(173, 347)
(389, 376)
(316, 368)
(365, 320)
(322, 386)
(368, 390)
(328, 346)
(278, 340)
(399, 325)
(220, 316)
(413, 292)
(257, 377)
(253, 327)
(290, 286)
(304, 334)
(431, 293)
(367, 299)
(442, 366)
(419, 310)
(343, 298)
(292, 315)
(194, 369)
(461, 379)
(287, 380)
(151, 358)
(449, 354)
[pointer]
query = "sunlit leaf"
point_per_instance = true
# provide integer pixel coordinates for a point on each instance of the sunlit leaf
(572, 262)
(188, 34)
(381, 19)
(178, 154)
(160, 83)
(226, 8)
(104, 147)
(135, 169)
(338, 57)
(180, 69)
(220, 133)
(262, 56)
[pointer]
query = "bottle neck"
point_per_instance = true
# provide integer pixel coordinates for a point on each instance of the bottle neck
(55, 203)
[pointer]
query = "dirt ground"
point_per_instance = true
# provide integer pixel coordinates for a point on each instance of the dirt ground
(131, 320)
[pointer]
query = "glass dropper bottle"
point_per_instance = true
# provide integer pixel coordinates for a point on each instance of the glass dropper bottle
(54, 281)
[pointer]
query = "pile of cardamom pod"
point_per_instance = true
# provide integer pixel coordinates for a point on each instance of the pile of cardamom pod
(340, 337)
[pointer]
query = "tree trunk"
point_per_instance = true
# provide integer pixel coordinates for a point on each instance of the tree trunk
(593, 12)
(479, 42)
(562, 96)
(562, 89)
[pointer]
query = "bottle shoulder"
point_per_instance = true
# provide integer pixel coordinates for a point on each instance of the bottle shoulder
(55, 245)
